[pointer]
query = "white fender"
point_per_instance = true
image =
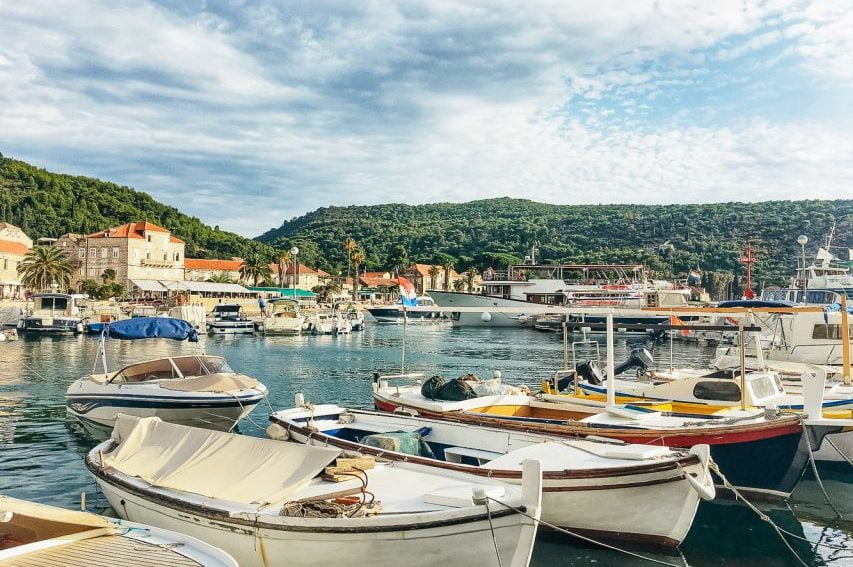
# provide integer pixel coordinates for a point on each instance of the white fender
(704, 489)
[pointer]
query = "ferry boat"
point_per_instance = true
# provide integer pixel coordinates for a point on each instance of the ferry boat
(54, 313)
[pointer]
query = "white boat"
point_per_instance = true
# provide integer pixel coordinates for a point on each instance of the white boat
(194, 389)
(283, 318)
(34, 534)
(263, 502)
(355, 318)
(396, 314)
(328, 322)
(655, 489)
(229, 319)
(53, 313)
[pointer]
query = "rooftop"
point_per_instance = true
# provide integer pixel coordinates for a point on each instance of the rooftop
(212, 265)
(133, 230)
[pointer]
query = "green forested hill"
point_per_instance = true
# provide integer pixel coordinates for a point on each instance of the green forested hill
(48, 204)
(667, 238)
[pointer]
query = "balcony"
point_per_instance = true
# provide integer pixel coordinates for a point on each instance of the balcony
(154, 263)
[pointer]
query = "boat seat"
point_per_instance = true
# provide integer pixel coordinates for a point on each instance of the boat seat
(455, 454)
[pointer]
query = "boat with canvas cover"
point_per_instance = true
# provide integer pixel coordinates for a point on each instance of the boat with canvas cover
(656, 489)
(264, 501)
(195, 389)
(762, 455)
(36, 534)
(283, 318)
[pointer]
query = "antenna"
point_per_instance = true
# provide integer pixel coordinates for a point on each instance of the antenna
(748, 259)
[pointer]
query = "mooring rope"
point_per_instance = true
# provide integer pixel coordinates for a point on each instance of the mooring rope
(840, 452)
(817, 476)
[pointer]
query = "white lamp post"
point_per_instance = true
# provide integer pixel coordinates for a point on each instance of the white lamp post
(802, 240)
(294, 252)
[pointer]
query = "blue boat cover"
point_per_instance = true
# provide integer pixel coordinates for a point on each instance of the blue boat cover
(754, 303)
(152, 327)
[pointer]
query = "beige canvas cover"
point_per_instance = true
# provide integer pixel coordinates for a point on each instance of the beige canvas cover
(230, 383)
(50, 514)
(219, 465)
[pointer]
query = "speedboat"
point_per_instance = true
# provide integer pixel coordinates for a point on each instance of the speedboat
(583, 480)
(283, 318)
(229, 319)
(759, 454)
(37, 534)
(265, 501)
(53, 313)
(195, 389)
(329, 322)
(355, 318)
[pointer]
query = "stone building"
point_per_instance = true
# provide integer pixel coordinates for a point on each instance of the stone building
(201, 270)
(419, 275)
(14, 245)
(136, 251)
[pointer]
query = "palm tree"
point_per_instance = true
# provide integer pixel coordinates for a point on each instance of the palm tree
(357, 257)
(109, 275)
(283, 258)
(433, 273)
(470, 274)
(399, 259)
(350, 247)
(221, 277)
(448, 267)
(44, 266)
(254, 268)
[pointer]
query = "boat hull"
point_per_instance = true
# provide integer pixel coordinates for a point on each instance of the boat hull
(583, 504)
(491, 316)
(252, 543)
(54, 325)
(231, 328)
(395, 315)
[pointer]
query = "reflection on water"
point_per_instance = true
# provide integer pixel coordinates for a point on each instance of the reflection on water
(41, 451)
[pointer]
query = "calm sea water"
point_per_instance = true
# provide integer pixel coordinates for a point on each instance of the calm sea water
(41, 450)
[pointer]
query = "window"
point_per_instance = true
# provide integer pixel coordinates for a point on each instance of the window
(148, 236)
(81, 253)
(148, 255)
(723, 390)
(165, 257)
(136, 255)
(93, 252)
(177, 256)
(104, 252)
(93, 272)
(5, 264)
(115, 252)
(82, 272)
(831, 332)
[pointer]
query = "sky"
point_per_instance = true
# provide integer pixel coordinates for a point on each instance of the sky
(246, 114)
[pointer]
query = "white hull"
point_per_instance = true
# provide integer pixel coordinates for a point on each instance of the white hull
(231, 328)
(653, 508)
(222, 419)
(282, 325)
(491, 317)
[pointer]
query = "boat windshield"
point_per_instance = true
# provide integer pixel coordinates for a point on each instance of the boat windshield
(171, 368)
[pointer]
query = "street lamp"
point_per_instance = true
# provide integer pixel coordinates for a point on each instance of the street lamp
(802, 240)
(294, 252)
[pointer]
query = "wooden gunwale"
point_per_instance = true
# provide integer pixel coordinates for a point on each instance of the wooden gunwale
(603, 472)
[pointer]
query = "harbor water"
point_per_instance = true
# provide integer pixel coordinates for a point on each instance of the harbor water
(41, 450)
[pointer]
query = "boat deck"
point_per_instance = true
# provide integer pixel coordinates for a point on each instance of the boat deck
(106, 551)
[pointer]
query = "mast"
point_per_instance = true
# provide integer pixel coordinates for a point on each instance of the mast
(748, 259)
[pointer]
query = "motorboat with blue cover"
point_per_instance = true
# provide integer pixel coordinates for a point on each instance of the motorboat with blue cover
(194, 389)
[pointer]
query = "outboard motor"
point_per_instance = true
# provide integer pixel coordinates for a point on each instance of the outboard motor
(590, 371)
(640, 358)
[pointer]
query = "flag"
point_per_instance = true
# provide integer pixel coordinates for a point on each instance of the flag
(676, 320)
(407, 292)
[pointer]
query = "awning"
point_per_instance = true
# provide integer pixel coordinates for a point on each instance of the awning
(286, 291)
(149, 285)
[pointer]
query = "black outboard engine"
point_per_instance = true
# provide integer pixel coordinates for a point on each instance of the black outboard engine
(640, 358)
(590, 371)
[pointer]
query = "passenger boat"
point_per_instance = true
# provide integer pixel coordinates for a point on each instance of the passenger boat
(396, 313)
(765, 456)
(283, 318)
(53, 313)
(229, 319)
(35, 534)
(195, 389)
(656, 489)
(263, 501)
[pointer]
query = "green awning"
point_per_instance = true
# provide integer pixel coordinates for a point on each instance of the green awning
(286, 291)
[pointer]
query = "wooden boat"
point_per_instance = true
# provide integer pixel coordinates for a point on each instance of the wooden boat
(35, 534)
(196, 389)
(261, 500)
(762, 455)
(656, 490)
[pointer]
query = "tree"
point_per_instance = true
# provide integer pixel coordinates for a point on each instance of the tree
(349, 246)
(433, 273)
(90, 288)
(470, 275)
(399, 259)
(108, 276)
(254, 268)
(459, 285)
(357, 258)
(326, 291)
(221, 277)
(448, 268)
(283, 259)
(44, 266)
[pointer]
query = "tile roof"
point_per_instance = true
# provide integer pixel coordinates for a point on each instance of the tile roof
(14, 247)
(213, 265)
(133, 230)
(370, 281)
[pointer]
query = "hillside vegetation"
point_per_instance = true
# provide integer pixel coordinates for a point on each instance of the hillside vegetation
(670, 239)
(46, 204)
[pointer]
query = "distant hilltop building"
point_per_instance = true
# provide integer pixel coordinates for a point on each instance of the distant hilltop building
(136, 251)
(14, 245)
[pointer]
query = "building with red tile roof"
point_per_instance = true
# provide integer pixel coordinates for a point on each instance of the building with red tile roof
(202, 269)
(14, 246)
